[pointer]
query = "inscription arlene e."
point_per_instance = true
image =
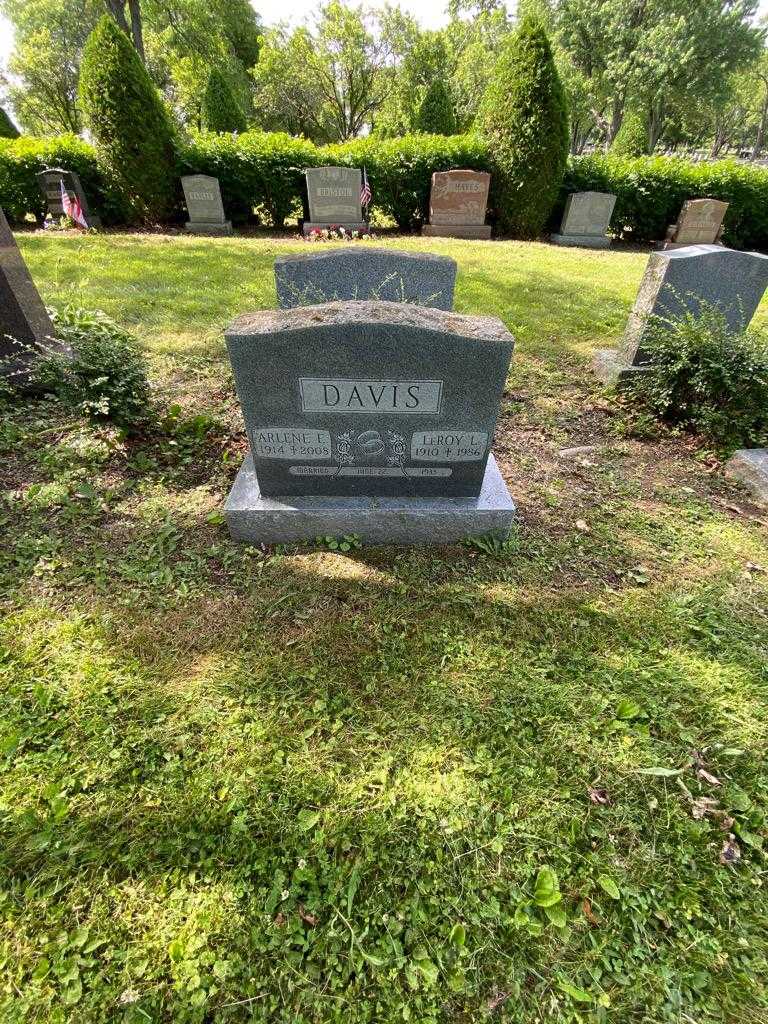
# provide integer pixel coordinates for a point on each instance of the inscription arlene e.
(401, 397)
(290, 443)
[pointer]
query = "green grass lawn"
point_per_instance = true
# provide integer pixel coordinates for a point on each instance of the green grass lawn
(303, 786)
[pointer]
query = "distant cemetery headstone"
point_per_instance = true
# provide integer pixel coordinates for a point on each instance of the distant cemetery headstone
(25, 327)
(206, 210)
(50, 181)
(586, 220)
(369, 418)
(700, 223)
(679, 280)
(334, 198)
(749, 466)
(365, 273)
(457, 204)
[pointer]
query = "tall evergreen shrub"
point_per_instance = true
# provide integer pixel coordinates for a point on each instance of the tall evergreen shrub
(524, 122)
(221, 111)
(435, 114)
(632, 138)
(129, 125)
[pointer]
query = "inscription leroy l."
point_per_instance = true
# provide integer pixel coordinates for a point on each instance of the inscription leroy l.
(402, 397)
(448, 445)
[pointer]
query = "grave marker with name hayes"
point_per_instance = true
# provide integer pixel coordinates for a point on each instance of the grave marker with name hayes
(372, 418)
(457, 205)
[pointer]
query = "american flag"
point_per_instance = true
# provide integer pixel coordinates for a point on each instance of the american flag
(72, 207)
(365, 190)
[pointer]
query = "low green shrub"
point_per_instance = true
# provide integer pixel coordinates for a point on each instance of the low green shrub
(106, 378)
(706, 377)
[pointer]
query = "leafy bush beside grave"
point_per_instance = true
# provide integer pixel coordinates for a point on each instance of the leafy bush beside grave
(21, 159)
(708, 378)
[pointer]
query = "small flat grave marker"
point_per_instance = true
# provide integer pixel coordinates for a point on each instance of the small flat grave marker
(370, 418)
(586, 219)
(457, 205)
(206, 210)
(364, 272)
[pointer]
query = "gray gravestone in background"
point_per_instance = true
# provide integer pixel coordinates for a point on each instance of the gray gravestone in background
(372, 418)
(749, 466)
(586, 220)
(50, 180)
(457, 205)
(678, 280)
(334, 198)
(365, 273)
(23, 316)
(206, 210)
(700, 223)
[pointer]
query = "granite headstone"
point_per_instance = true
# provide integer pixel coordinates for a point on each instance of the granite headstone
(364, 272)
(457, 204)
(371, 418)
(206, 210)
(586, 219)
(25, 327)
(50, 181)
(700, 223)
(334, 198)
(679, 280)
(749, 466)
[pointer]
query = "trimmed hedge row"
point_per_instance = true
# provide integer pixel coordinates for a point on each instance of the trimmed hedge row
(264, 170)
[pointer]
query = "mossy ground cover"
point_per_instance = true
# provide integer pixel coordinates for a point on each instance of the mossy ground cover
(447, 784)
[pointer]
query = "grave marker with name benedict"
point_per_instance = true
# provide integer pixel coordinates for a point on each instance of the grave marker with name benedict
(371, 418)
(206, 210)
(457, 205)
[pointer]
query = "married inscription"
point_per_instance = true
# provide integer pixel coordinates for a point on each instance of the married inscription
(403, 397)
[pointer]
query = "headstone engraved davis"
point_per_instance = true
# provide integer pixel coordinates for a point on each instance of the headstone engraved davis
(206, 210)
(365, 273)
(586, 219)
(678, 280)
(334, 198)
(372, 418)
(457, 204)
(50, 181)
(700, 223)
(23, 317)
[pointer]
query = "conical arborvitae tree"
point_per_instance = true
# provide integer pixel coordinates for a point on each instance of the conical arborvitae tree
(221, 111)
(129, 125)
(524, 121)
(8, 129)
(435, 115)
(632, 139)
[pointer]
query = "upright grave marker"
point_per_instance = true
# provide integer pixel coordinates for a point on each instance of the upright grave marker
(23, 317)
(365, 273)
(586, 219)
(369, 418)
(334, 198)
(679, 280)
(700, 223)
(457, 204)
(206, 210)
(50, 181)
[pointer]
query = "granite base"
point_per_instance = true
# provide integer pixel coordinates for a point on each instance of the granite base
(457, 230)
(611, 368)
(582, 241)
(203, 228)
(749, 466)
(255, 519)
(309, 226)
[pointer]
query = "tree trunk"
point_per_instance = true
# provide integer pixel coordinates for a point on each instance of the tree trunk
(134, 6)
(617, 116)
(655, 123)
(763, 125)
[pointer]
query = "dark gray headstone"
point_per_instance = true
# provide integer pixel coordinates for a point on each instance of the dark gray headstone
(206, 210)
(334, 198)
(50, 180)
(678, 280)
(25, 327)
(368, 400)
(363, 272)
(586, 219)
